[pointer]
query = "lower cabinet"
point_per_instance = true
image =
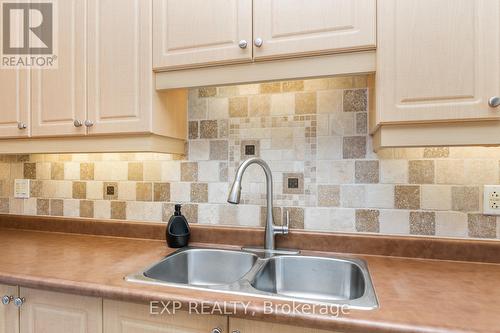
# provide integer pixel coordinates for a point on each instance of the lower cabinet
(9, 315)
(249, 326)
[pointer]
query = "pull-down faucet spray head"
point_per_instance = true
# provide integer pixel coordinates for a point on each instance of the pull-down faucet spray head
(235, 192)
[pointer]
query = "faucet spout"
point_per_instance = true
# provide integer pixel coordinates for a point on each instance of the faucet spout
(235, 194)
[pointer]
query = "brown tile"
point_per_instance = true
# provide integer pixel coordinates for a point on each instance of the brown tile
(482, 226)
(270, 87)
(208, 129)
(354, 147)
(144, 191)
(305, 103)
(4, 205)
(118, 210)
(79, 190)
(465, 198)
(136, 171)
(57, 171)
(421, 172)
(190, 212)
(161, 191)
(259, 106)
(56, 207)
(361, 123)
(355, 100)
(42, 206)
(207, 92)
(249, 148)
(110, 190)
(87, 208)
(218, 150)
(238, 107)
(36, 188)
(367, 220)
(407, 197)
(328, 196)
(86, 171)
(290, 86)
(423, 223)
(296, 216)
(189, 171)
(293, 183)
(367, 172)
(199, 192)
(29, 170)
(277, 216)
(436, 152)
(193, 130)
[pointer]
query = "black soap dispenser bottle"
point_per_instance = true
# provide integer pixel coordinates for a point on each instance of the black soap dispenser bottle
(178, 231)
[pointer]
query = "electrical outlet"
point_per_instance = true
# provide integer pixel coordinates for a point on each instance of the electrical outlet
(22, 188)
(491, 201)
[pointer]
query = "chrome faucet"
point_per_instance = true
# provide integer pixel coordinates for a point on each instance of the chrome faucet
(235, 194)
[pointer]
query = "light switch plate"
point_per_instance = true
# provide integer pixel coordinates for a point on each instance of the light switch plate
(22, 188)
(491, 201)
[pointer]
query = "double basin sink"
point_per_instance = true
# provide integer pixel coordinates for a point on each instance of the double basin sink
(289, 277)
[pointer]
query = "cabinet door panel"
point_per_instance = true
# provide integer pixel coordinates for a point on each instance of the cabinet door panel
(120, 66)
(297, 27)
(15, 107)
(198, 32)
(52, 312)
(59, 95)
(122, 317)
(9, 315)
(249, 326)
(437, 60)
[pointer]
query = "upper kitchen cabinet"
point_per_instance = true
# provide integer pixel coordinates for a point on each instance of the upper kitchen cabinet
(15, 103)
(288, 28)
(190, 33)
(58, 96)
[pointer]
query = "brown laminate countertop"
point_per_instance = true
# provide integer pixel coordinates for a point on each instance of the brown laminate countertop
(415, 295)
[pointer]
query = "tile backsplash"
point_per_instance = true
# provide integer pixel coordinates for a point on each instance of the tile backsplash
(313, 133)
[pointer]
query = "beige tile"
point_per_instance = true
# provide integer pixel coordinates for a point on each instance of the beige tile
(42, 207)
(118, 210)
(94, 190)
(450, 172)
(207, 92)
(152, 170)
(249, 89)
(367, 220)
(57, 171)
(56, 207)
(110, 190)
(111, 170)
(481, 172)
(282, 104)
(366, 172)
(340, 82)
(190, 212)
(353, 196)
(43, 170)
(290, 86)
(421, 172)
(436, 197)
(259, 105)
(87, 208)
(329, 101)
(127, 191)
(199, 150)
(144, 192)
(379, 195)
(278, 216)
(102, 209)
(360, 81)
(199, 192)
(135, 171)
(355, 100)
(394, 222)
(217, 192)
(29, 170)
(465, 198)
(180, 192)
(481, 226)
(436, 152)
(316, 84)
(354, 147)
(394, 171)
(270, 87)
(407, 197)
(228, 91)
(71, 207)
(451, 224)
(305, 103)
(197, 107)
(86, 171)
(72, 171)
(193, 130)
(423, 223)
(218, 150)
(342, 123)
(328, 195)
(161, 191)
(79, 190)
(189, 171)
(335, 172)
(238, 107)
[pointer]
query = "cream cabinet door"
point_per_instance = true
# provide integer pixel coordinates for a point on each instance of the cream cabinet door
(302, 27)
(9, 314)
(191, 33)
(437, 60)
(15, 103)
(45, 311)
(120, 81)
(58, 96)
(249, 326)
(122, 317)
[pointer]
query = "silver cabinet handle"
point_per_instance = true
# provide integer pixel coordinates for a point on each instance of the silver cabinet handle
(258, 42)
(235, 331)
(89, 123)
(7, 299)
(216, 330)
(19, 301)
(243, 44)
(21, 126)
(494, 102)
(77, 123)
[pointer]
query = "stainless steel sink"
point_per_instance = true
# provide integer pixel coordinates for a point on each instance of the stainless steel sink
(275, 275)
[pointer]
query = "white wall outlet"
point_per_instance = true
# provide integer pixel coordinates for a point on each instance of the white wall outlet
(491, 201)
(22, 188)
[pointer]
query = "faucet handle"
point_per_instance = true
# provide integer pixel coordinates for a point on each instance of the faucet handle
(286, 225)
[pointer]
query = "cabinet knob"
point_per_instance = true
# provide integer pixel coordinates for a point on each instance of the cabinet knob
(235, 331)
(7, 299)
(243, 44)
(258, 42)
(216, 330)
(21, 125)
(19, 301)
(89, 123)
(494, 102)
(77, 123)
